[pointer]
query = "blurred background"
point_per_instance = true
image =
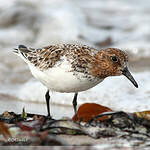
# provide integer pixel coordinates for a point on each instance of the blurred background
(124, 24)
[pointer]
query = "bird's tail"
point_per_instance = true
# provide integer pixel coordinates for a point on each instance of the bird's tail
(22, 51)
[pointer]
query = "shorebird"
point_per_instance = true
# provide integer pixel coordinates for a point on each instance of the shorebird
(71, 68)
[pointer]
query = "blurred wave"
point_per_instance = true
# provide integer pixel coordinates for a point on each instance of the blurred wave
(105, 23)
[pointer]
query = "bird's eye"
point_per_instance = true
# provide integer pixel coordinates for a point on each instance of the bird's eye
(114, 58)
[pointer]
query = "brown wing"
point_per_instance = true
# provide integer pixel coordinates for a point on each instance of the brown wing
(43, 58)
(78, 55)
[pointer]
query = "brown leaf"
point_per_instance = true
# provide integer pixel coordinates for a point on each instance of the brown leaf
(7, 114)
(88, 111)
(4, 130)
(143, 114)
(35, 117)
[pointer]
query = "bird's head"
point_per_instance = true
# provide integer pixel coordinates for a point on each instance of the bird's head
(111, 62)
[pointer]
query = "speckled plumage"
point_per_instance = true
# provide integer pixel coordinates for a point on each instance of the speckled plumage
(74, 68)
(47, 57)
(82, 62)
(81, 57)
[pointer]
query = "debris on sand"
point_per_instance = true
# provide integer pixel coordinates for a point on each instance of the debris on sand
(33, 129)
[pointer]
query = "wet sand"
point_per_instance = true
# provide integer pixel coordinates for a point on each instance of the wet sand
(10, 103)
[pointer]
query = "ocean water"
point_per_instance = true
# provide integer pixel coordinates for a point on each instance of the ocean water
(98, 23)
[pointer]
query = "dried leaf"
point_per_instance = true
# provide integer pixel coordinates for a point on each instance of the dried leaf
(4, 130)
(143, 114)
(35, 117)
(88, 111)
(6, 114)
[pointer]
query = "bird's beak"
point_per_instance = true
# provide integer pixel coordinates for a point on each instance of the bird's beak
(126, 73)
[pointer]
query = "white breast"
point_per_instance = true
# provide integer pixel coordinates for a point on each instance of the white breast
(60, 78)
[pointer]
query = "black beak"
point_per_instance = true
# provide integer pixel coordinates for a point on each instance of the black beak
(126, 73)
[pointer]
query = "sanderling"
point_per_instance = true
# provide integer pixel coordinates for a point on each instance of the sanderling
(73, 68)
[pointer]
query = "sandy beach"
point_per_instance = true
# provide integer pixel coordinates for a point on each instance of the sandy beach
(11, 104)
(100, 24)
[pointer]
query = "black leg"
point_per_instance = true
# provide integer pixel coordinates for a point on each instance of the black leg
(74, 102)
(47, 102)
